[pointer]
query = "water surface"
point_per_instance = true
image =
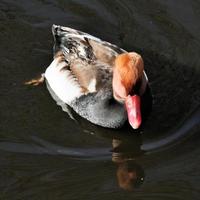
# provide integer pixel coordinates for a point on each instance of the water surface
(46, 155)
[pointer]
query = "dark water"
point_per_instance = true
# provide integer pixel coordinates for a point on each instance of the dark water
(46, 155)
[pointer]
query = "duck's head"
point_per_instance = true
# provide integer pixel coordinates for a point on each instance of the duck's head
(127, 72)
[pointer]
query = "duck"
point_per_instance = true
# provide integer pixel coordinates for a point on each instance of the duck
(100, 81)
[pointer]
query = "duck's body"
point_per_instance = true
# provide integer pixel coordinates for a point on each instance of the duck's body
(81, 76)
(95, 104)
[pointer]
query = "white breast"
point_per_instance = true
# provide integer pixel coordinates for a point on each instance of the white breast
(62, 82)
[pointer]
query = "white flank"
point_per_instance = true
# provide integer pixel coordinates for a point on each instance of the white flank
(62, 82)
(92, 85)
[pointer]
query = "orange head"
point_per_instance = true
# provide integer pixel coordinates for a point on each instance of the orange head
(127, 71)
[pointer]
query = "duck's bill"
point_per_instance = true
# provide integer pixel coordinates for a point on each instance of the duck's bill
(132, 104)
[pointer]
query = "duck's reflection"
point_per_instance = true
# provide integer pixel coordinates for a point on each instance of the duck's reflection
(126, 148)
(130, 175)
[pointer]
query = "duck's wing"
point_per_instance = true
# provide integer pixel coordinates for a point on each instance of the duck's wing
(89, 58)
(77, 44)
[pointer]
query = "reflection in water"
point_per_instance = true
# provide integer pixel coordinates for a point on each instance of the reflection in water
(125, 151)
(130, 175)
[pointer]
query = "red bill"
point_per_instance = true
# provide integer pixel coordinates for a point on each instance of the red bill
(133, 110)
